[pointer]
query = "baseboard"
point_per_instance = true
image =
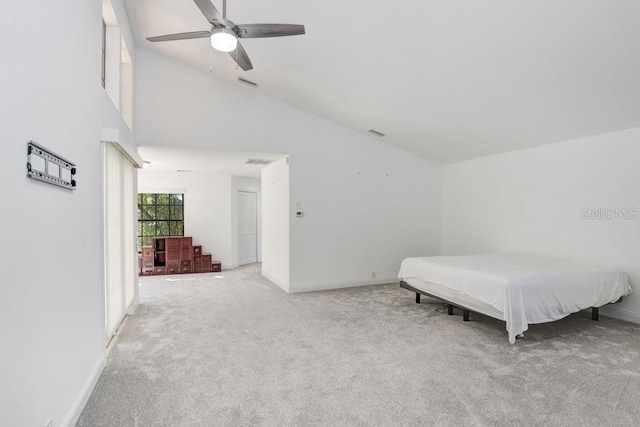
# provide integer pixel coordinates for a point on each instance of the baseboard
(276, 280)
(134, 306)
(230, 267)
(620, 313)
(82, 399)
(310, 287)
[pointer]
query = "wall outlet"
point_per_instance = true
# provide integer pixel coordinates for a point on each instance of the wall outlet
(373, 274)
(49, 423)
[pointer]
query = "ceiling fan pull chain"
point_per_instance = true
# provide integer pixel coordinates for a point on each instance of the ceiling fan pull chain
(224, 9)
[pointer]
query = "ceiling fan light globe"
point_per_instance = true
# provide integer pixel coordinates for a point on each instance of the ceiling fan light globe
(224, 40)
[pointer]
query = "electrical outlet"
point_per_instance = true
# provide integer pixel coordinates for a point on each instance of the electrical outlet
(49, 423)
(373, 274)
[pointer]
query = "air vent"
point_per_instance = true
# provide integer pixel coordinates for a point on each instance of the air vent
(183, 170)
(376, 133)
(247, 82)
(258, 162)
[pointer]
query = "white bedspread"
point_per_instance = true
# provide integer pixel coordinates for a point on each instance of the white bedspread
(527, 289)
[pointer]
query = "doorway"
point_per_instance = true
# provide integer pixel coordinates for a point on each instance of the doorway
(247, 227)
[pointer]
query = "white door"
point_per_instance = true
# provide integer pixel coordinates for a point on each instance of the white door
(247, 227)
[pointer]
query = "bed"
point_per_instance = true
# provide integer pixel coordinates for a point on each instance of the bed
(519, 289)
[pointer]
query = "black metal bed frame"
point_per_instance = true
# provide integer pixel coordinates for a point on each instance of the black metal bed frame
(595, 314)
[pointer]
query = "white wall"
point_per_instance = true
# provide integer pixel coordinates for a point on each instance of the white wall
(207, 207)
(252, 185)
(367, 204)
(275, 223)
(52, 304)
(532, 201)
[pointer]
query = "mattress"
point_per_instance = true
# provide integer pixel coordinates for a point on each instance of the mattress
(525, 289)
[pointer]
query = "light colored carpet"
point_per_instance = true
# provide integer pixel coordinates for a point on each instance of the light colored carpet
(207, 351)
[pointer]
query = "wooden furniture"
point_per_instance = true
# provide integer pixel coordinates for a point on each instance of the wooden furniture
(175, 255)
(172, 246)
(186, 245)
(146, 261)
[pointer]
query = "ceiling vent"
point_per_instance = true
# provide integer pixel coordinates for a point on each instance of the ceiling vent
(376, 133)
(247, 82)
(183, 170)
(258, 162)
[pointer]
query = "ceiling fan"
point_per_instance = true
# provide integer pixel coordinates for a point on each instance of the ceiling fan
(224, 34)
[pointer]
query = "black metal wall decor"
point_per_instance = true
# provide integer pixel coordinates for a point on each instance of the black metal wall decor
(46, 166)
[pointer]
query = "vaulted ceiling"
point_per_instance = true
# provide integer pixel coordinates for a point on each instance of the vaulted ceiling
(446, 79)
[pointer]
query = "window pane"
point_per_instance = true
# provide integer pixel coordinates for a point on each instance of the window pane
(162, 212)
(147, 241)
(139, 199)
(148, 199)
(148, 212)
(163, 228)
(163, 199)
(177, 228)
(148, 228)
(174, 228)
(176, 199)
(176, 212)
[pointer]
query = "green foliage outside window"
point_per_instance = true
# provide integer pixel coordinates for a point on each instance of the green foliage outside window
(159, 215)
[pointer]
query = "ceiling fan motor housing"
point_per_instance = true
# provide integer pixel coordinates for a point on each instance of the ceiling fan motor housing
(224, 39)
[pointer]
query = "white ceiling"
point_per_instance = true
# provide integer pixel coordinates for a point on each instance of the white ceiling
(446, 79)
(198, 160)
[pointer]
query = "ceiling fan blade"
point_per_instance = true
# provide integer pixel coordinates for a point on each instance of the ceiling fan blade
(242, 59)
(181, 36)
(253, 31)
(209, 11)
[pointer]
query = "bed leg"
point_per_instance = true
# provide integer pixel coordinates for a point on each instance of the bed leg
(449, 309)
(417, 298)
(465, 315)
(595, 315)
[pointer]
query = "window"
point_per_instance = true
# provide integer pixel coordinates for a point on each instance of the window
(159, 215)
(104, 53)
